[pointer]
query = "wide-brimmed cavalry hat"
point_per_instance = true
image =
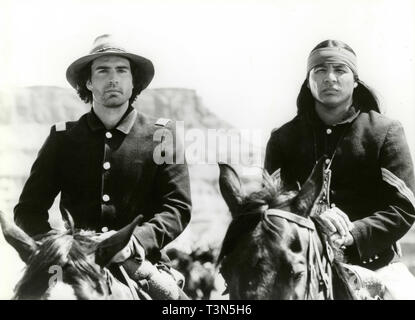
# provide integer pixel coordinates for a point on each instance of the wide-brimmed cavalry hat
(108, 45)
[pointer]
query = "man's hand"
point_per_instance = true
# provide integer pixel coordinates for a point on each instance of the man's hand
(333, 221)
(338, 241)
(337, 225)
(131, 249)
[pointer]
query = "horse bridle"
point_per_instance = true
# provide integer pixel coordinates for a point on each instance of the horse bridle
(320, 270)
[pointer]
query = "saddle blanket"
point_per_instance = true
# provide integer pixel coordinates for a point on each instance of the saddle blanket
(392, 282)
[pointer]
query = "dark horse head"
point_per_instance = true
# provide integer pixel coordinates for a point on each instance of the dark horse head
(69, 264)
(271, 249)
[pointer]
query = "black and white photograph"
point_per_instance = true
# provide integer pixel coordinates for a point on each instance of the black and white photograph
(207, 150)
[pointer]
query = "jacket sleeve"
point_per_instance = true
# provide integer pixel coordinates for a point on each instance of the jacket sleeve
(383, 228)
(39, 191)
(172, 186)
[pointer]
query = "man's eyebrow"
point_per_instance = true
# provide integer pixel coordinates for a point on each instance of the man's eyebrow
(103, 67)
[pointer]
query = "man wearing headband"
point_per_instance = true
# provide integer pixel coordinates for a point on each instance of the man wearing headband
(104, 164)
(368, 201)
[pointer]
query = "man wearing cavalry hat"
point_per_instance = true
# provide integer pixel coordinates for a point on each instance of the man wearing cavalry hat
(368, 201)
(103, 164)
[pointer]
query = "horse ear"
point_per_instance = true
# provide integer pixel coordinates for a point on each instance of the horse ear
(230, 188)
(17, 238)
(276, 181)
(69, 223)
(310, 191)
(109, 247)
(275, 178)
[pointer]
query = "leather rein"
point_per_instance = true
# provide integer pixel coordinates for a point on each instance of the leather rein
(319, 265)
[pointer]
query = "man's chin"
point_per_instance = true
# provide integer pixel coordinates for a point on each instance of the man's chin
(330, 101)
(114, 103)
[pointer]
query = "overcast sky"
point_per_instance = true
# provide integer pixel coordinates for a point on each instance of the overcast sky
(245, 59)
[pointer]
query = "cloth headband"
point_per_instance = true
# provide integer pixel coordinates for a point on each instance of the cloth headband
(332, 55)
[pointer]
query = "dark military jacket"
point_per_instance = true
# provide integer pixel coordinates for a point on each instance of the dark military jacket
(372, 175)
(108, 177)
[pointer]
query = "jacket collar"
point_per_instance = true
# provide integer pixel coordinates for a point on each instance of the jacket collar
(127, 121)
(124, 125)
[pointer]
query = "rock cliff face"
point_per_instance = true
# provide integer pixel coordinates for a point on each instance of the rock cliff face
(48, 105)
(28, 113)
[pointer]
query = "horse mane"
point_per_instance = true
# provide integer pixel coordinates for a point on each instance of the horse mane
(71, 253)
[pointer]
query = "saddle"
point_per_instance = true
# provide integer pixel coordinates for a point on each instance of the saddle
(149, 281)
(366, 283)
